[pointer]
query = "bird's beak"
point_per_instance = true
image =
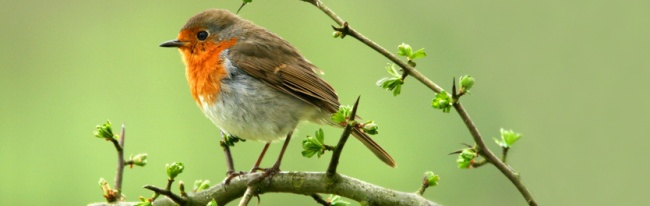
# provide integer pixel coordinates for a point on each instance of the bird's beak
(173, 43)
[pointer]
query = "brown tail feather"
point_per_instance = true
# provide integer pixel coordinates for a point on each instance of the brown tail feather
(374, 147)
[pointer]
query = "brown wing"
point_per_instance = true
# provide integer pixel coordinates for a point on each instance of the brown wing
(272, 60)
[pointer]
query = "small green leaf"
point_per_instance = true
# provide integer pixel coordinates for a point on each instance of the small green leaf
(247, 1)
(466, 158)
(109, 193)
(200, 185)
(174, 169)
(342, 114)
(442, 101)
(393, 83)
(432, 179)
(336, 200)
(103, 183)
(393, 71)
(371, 128)
(466, 83)
(336, 34)
(499, 142)
(313, 145)
(144, 203)
(308, 153)
(212, 203)
(508, 138)
(418, 54)
(230, 140)
(139, 159)
(398, 88)
(105, 131)
(404, 50)
(320, 135)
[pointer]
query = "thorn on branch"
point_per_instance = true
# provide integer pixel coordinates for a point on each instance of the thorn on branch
(244, 2)
(343, 31)
(454, 93)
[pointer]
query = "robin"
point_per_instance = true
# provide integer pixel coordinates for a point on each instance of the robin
(253, 84)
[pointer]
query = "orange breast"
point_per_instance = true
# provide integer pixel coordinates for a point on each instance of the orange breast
(204, 68)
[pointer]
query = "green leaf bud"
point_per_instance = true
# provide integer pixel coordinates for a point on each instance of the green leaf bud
(431, 178)
(174, 169)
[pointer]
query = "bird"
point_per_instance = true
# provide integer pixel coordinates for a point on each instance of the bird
(253, 84)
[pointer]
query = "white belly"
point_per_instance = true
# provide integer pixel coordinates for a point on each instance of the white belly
(250, 109)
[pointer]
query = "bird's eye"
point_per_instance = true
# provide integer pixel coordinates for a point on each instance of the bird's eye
(202, 35)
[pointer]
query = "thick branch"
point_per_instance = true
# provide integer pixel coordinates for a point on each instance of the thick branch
(306, 183)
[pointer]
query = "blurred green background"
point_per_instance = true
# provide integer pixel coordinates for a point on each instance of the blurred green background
(570, 76)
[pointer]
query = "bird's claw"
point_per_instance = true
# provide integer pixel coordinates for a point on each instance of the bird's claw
(232, 174)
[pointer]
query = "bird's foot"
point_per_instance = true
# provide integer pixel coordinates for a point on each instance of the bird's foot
(267, 172)
(232, 174)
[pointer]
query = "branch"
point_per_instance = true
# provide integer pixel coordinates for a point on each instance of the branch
(248, 195)
(334, 162)
(306, 183)
(490, 157)
(410, 70)
(481, 148)
(120, 163)
(167, 193)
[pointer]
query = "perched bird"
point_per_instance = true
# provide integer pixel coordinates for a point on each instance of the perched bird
(253, 84)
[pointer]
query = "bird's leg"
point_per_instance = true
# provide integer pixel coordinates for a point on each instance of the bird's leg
(269, 172)
(256, 167)
(276, 166)
(229, 162)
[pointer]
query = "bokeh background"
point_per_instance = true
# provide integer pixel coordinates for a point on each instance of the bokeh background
(571, 76)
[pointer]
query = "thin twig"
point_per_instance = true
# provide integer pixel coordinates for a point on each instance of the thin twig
(227, 153)
(169, 184)
(336, 154)
(504, 154)
(177, 199)
(319, 199)
(490, 157)
(479, 163)
(120, 163)
(410, 70)
(248, 195)
(482, 149)
(423, 187)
